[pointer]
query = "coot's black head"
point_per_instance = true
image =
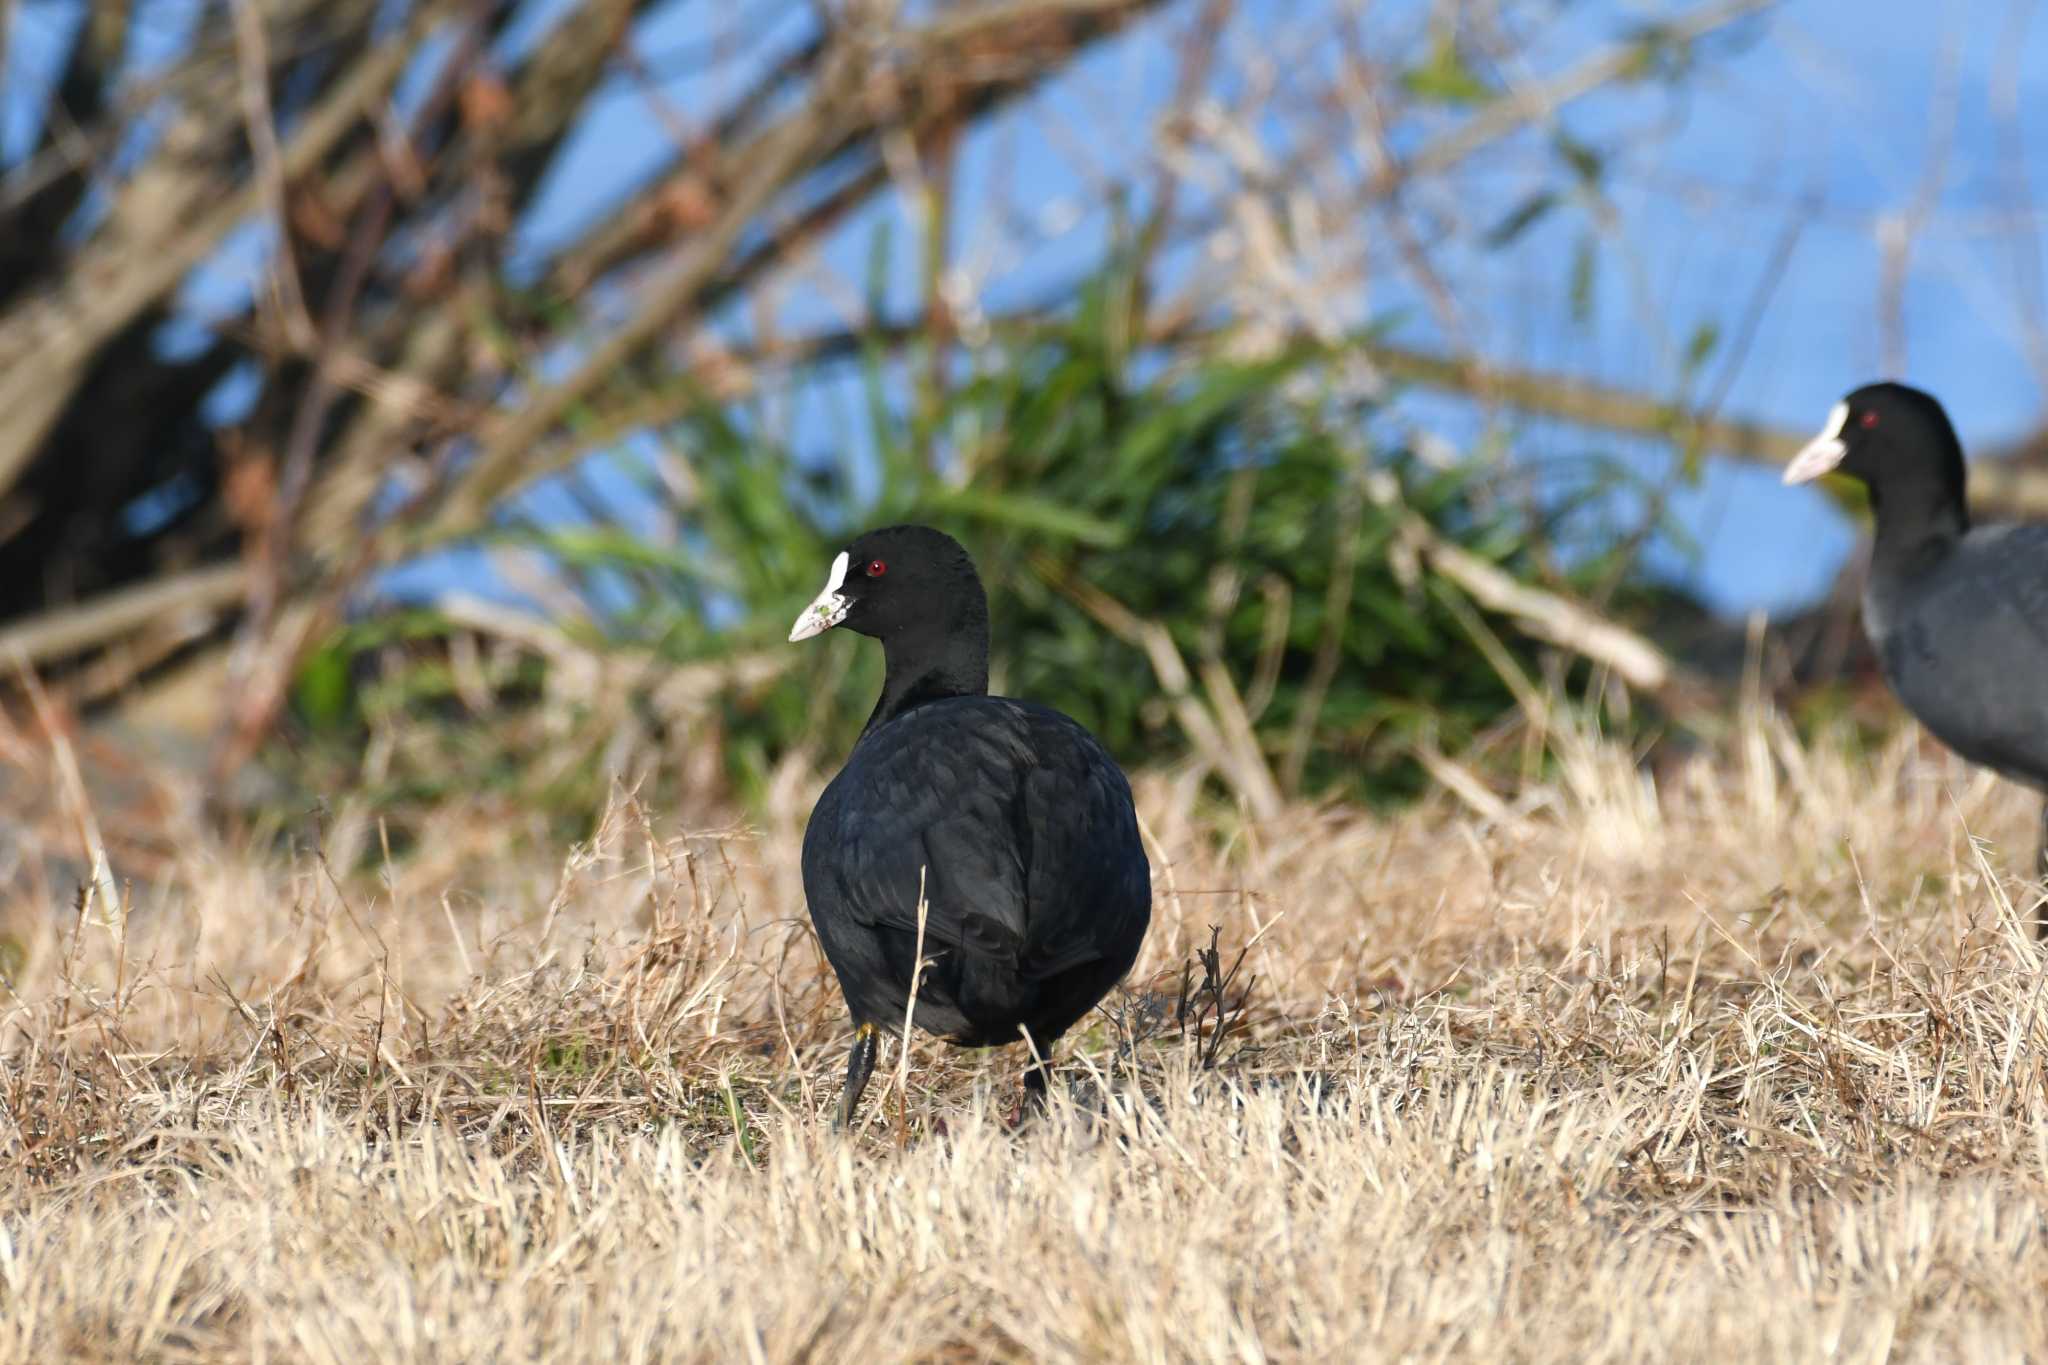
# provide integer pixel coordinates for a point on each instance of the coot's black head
(896, 583)
(1897, 440)
(915, 590)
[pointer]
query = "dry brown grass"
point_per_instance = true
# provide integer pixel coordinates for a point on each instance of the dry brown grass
(1751, 1066)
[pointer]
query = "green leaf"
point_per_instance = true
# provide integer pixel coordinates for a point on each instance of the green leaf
(613, 547)
(13, 960)
(1446, 77)
(1521, 218)
(1701, 344)
(1023, 511)
(1585, 267)
(878, 269)
(1658, 52)
(322, 692)
(1586, 162)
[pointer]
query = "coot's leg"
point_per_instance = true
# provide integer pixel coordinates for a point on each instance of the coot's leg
(1036, 1071)
(1034, 1084)
(860, 1064)
(2041, 875)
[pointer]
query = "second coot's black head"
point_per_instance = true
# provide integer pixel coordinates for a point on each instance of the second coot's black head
(1007, 819)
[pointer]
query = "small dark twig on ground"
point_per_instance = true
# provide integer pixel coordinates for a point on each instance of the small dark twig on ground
(1211, 999)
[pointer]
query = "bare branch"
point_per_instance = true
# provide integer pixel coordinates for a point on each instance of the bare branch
(253, 56)
(72, 630)
(1897, 232)
(47, 342)
(1546, 615)
(846, 106)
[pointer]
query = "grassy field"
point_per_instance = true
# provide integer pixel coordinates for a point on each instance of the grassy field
(1745, 1065)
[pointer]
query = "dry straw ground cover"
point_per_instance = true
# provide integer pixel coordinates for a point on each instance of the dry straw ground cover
(1745, 1064)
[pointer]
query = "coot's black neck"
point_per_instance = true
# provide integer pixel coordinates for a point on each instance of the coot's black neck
(935, 659)
(1920, 513)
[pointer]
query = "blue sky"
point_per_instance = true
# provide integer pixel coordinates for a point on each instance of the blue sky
(1825, 113)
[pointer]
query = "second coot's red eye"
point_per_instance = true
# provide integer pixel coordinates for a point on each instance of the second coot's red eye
(1868, 419)
(876, 568)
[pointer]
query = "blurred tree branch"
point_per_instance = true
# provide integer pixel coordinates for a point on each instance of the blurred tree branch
(868, 85)
(2003, 482)
(168, 218)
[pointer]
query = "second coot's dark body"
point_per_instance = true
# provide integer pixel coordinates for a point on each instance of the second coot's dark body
(1009, 818)
(1958, 615)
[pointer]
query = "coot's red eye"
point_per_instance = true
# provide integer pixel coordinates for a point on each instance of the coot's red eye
(1868, 419)
(876, 568)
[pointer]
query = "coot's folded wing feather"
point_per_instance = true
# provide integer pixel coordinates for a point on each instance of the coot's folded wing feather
(1088, 883)
(930, 801)
(1018, 822)
(2015, 566)
(1971, 660)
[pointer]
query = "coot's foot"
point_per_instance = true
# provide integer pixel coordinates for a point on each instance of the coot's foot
(860, 1064)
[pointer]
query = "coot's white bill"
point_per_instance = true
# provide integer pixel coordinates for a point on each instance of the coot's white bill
(1823, 452)
(827, 609)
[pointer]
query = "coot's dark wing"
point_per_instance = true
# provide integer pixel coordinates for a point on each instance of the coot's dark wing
(1968, 651)
(1020, 826)
(926, 803)
(1088, 885)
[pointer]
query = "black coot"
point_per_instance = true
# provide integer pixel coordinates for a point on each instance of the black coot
(1959, 617)
(1012, 819)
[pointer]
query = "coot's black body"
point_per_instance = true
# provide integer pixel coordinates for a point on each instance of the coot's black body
(1011, 820)
(1963, 640)
(1958, 615)
(1020, 829)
